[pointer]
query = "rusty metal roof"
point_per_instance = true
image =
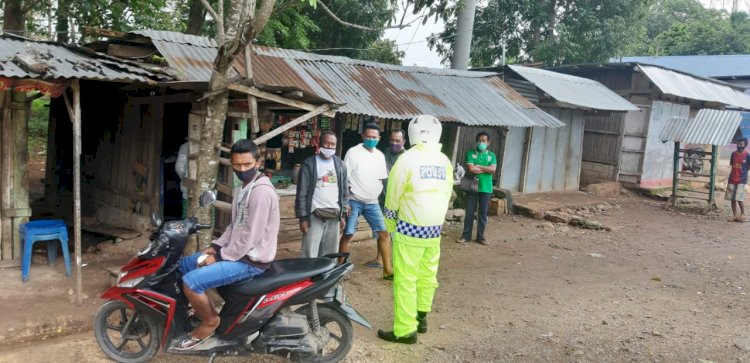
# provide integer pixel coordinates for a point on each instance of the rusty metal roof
(398, 92)
(709, 127)
(191, 57)
(574, 91)
(363, 87)
(63, 62)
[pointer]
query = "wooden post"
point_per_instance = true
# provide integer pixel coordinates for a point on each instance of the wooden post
(456, 142)
(13, 170)
(712, 180)
(6, 142)
(252, 101)
(525, 160)
(675, 172)
(279, 130)
(75, 85)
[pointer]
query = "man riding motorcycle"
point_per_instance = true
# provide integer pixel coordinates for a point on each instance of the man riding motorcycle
(246, 248)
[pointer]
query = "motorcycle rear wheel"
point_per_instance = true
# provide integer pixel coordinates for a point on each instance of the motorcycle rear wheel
(125, 335)
(341, 335)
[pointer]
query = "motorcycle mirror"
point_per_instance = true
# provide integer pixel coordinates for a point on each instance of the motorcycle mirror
(155, 219)
(207, 198)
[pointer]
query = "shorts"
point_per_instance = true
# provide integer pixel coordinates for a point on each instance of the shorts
(735, 192)
(372, 213)
(216, 274)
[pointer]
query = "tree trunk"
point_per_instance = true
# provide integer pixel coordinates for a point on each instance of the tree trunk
(196, 18)
(63, 17)
(14, 19)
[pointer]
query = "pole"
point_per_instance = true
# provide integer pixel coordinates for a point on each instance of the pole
(675, 172)
(464, 30)
(77, 186)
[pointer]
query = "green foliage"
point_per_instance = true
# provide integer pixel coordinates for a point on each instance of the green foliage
(550, 31)
(289, 28)
(38, 120)
(383, 51)
(685, 27)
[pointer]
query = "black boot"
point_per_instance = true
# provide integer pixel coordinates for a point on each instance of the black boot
(389, 336)
(422, 322)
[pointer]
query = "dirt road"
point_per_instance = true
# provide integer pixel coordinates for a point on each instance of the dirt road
(662, 285)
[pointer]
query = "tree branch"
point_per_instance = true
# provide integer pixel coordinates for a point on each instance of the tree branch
(355, 26)
(211, 11)
(263, 14)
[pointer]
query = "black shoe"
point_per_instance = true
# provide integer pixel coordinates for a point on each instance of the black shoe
(390, 337)
(422, 322)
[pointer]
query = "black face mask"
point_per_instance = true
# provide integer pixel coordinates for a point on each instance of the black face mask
(247, 175)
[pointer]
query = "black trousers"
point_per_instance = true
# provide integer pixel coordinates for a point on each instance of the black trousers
(472, 199)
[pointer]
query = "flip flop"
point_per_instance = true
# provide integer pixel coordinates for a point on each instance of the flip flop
(190, 342)
(388, 278)
(373, 264)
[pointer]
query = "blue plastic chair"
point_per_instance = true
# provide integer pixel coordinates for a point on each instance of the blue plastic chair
(50, 231)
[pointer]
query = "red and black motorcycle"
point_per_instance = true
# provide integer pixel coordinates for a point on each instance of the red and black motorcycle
(297, 308)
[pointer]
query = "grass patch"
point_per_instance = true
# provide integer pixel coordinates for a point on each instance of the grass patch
(38, 126)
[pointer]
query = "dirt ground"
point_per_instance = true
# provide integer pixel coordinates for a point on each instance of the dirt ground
(661, 286)
(658, 285)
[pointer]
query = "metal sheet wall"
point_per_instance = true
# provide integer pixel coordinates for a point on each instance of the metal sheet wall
(510, 176)
(657, 160)
(554, 160)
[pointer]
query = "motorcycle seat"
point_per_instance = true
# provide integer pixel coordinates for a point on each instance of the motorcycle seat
(281, 273)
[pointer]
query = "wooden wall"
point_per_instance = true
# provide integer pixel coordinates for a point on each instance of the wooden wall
(14, 181)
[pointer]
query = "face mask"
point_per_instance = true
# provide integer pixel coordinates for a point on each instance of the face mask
(482, 146)
(327, 153)
(740, 148)
(247, 175)
(371, 143)
(397, 147)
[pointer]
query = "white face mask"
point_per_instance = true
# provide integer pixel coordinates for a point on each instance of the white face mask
(327, 153)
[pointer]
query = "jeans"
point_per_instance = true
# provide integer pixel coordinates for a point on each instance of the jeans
(372, 213)
(216, 274)
(322, 237)
(472, 199)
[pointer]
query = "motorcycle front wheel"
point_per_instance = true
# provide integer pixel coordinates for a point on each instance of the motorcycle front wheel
(124, 334)
(341, 335)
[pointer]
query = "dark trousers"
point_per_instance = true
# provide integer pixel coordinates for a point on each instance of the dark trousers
(472, 199)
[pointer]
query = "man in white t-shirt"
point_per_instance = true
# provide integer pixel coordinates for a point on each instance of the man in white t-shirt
(322, 199)
(366, 170)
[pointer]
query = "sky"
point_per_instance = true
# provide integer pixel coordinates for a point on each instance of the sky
(413, 40)
(417, 53)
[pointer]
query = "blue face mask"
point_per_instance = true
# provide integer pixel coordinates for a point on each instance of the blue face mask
(482, 146)
(370, 143)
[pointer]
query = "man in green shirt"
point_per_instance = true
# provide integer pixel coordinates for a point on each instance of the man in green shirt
(482, 163)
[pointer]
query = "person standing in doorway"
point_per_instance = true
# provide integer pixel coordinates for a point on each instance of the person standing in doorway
(366, 169)
(739, 162)
(395, 149)
(482, 163)
(419, 191)
(322, 199)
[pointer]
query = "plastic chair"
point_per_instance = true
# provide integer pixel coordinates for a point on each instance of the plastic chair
(50, 231)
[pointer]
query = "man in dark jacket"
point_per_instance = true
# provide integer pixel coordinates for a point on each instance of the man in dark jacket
(322, 199)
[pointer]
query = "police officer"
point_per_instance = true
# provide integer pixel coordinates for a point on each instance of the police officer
(419, 189)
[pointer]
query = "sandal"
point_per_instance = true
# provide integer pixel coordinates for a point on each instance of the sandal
(373, 264)
(388, 278)
(190, 342)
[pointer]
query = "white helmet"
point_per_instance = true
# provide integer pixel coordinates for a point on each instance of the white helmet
(425, 129)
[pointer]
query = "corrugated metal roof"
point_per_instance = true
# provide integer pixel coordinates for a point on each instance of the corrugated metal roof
(575, 91)
(682, 85)
(709, 127)
(363, 87)
(390, 91)
(524, 88)
(63, 63)
(714, 66)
